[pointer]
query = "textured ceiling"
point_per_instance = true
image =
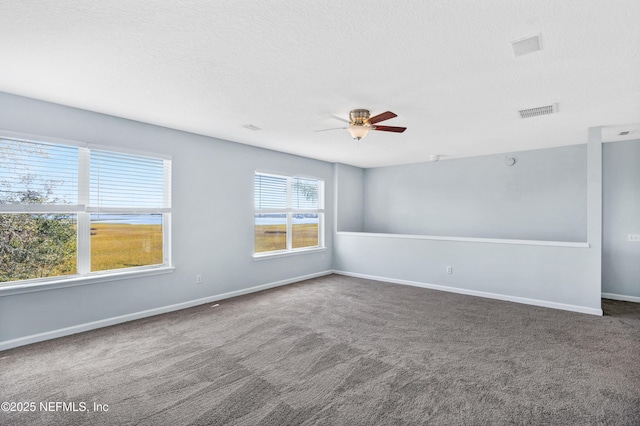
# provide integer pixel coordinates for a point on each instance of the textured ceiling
(445, 67)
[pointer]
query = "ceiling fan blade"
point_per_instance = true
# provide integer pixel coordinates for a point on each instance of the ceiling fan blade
(389, 129)
(333, 128)
(381, 117)
(339, 118)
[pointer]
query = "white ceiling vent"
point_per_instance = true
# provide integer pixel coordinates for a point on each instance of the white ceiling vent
(251, 127)
(534, 112)
(527, 45)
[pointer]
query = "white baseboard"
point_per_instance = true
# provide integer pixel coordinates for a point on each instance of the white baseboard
(34, 338)
(524, 300)
(622, 297)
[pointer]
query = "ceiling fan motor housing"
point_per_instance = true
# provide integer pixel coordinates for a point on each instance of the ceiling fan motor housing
(359, 117)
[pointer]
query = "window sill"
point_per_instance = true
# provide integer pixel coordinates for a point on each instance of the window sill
(73, 281)
(273, 255)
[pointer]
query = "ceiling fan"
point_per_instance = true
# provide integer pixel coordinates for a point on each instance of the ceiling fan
(360, 122)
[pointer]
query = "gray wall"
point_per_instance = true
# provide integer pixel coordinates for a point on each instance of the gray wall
(542, 197)
(350, 198)
(544, 193)
(621, 216)
(212, 220)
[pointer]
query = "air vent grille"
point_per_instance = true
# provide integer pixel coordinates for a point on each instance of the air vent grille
(525, 46)
(251, 127)
(534, 112)
(625, 133)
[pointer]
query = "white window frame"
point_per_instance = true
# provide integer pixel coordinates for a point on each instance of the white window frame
(290, 212)
(83, 212)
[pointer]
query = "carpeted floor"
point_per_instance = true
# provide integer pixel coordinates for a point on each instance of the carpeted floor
(340, 351)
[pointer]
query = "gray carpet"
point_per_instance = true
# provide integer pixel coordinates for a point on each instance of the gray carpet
(340, 351)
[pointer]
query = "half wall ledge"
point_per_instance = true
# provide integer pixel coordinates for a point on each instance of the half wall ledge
(469, 239)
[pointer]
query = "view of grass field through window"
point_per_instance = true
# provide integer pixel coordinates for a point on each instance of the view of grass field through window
(125, 245)
(274, 237)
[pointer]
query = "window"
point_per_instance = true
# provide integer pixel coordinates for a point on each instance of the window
(289, 213)
(74, 210)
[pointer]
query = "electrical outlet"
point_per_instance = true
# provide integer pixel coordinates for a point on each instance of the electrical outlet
(199, 279)
(634, 237)
(449, 270)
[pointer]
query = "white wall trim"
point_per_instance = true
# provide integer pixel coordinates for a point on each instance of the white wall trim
(34, 338)
(504, 297)
(622, 297)
(469, 239)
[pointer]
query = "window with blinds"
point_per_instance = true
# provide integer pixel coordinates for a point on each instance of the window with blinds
(289, 213)
(78, 209)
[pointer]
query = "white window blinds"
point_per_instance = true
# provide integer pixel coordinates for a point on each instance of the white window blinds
(125, 182)
(270, 191)
(273, 192)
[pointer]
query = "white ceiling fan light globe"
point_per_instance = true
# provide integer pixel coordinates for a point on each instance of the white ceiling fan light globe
(358, 131)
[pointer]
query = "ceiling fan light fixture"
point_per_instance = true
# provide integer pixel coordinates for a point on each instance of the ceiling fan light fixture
(358, 131)
(360, 122)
